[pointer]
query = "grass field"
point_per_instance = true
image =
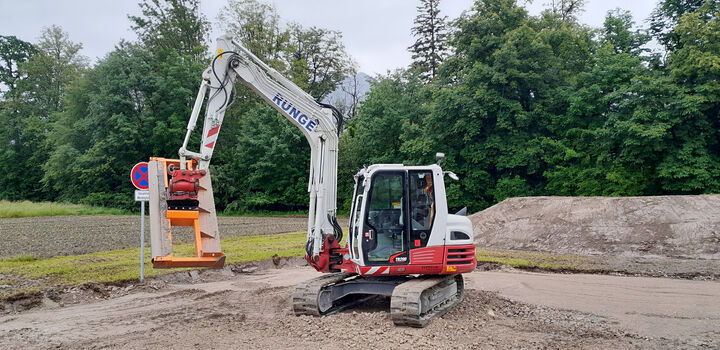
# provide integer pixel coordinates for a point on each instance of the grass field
(26, 273)
(123, 265)
(530, 260)
(23, 209)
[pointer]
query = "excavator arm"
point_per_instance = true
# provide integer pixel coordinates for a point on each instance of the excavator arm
(181, 192)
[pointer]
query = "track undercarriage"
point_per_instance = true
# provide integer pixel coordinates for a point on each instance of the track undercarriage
(415, 301)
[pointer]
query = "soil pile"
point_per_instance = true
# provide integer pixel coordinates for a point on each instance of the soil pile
(673, 226)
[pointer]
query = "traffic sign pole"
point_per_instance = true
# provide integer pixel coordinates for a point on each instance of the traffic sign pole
(142, 241)
(142, 196)
(139, 179)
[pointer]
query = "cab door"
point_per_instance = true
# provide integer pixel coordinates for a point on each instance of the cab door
(423, 208)
(356, 220)
(384, 234)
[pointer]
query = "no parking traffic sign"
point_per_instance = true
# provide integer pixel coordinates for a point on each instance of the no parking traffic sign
(139, 176)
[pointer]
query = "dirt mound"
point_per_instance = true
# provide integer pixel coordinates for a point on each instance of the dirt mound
(677, 226)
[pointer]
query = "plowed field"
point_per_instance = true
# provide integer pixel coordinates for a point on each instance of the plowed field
(47, 236)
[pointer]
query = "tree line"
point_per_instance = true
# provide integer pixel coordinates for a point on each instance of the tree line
(521, 105)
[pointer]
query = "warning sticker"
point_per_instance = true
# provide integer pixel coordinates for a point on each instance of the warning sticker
(396, 205)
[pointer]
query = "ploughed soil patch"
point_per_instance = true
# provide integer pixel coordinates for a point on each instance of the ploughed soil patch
(48, 236)
(676, 236)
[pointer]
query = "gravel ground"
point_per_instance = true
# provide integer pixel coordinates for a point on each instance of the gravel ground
(48, 236)
(253, 311)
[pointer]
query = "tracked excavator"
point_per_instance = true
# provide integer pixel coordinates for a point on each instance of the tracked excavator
(401, 240)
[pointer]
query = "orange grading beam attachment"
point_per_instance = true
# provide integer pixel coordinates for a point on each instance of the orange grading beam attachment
(203, 221)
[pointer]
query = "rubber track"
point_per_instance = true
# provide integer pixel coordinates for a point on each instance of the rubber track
(405, 303)
(305, 297)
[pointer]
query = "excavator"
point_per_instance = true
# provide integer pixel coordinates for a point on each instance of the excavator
(401, 241)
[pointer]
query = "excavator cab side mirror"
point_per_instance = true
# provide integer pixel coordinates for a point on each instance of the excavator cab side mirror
(439, 156)
(452, 175)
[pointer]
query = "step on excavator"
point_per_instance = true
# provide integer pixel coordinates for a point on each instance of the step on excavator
(401, 241)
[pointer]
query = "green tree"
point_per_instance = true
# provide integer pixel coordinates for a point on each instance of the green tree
(98, 137)
(172, 26)
(617, 31)
(584, 160)
(430, 31)
(694, 165)
(317, 59)
(13, 52)
(566, 10)
(632, 130)
(269, 168)
(665, 16)
(379, 131)
(256, 25)
(132, 105)
(696, 61)
(498, 98)
(29, 113)
(167, 68)
(48, 72)
(394, 103)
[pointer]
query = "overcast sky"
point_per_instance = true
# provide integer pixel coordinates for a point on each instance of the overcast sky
(376, 32)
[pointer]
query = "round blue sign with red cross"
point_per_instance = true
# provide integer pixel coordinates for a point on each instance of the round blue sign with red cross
(139, 176)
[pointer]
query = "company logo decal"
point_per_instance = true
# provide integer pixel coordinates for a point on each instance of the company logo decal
(295, 113)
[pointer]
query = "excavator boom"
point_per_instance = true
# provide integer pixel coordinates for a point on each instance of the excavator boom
(189, 189)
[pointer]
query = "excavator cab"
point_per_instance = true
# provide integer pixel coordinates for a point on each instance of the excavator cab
(399, 221)
(402, 244)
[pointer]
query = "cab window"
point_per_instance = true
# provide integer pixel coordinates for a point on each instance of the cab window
(422, 207)
(384, 234)
(355, 219)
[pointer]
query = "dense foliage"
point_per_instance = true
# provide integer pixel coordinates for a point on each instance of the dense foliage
(543, 105)
(524, 105)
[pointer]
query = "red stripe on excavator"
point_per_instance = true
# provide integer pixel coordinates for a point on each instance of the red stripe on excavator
(213, 131)
(404, 270)
(210, 145)
(435, 260)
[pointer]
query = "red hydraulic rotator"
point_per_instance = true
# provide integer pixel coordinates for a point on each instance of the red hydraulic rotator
(184, 184)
